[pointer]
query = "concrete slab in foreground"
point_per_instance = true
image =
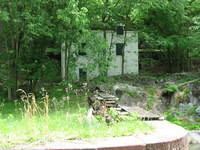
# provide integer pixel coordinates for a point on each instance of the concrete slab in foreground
(166, 136)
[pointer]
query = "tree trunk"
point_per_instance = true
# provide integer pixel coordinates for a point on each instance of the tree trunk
(16, 64)
(68, 52)
(104, 73)
(9, 93)
(9, 89)
(63, 60)
(123, 54)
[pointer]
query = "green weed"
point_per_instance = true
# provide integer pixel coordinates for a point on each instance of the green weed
(151, 92)
(171, 88)
(32, 107)
(67, 121)
(132, 93)
(185, 79)
(150, 102)
(182, 121)
(186, 125)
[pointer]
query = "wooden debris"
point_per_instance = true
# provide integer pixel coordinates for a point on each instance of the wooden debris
(102, 102)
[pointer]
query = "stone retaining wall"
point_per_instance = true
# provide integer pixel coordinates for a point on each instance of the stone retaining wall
(165, 136)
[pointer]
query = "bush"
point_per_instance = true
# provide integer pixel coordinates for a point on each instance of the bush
(171, 88)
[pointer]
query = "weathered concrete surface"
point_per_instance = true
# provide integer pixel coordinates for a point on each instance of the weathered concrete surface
(195, 147)
(194, 137)
(166, 136)
(115, 66)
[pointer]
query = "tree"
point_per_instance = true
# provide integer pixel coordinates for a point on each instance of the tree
(72, 23)
(193, 11)
(164, 25)
(28, 28)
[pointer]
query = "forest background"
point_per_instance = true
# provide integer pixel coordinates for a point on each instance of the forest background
(32, 34)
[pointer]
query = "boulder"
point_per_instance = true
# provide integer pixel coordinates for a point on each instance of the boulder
(194, 100)
(198, 111)
(194, 137)
(134, 91)
(184, 107)
(128, 100)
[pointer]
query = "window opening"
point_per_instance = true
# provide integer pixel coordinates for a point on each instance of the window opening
(120, 30)
(82, 74)
(81, 51)
(119, 48)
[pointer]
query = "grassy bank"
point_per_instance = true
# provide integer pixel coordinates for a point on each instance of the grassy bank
(65, 120)
(185, 123)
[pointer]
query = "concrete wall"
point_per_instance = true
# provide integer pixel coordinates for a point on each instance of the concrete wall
(84, 63)
(115, 67)
(164, 136)
(130, 53)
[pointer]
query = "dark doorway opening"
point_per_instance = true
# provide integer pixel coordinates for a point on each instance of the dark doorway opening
(82, 74)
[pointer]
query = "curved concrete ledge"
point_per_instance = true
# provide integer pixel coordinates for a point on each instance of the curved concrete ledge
(166, 136)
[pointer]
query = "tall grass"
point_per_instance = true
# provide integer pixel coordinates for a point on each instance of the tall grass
(32, 120)
(31, 107)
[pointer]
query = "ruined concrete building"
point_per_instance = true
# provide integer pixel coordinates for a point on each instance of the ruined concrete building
(123, 49)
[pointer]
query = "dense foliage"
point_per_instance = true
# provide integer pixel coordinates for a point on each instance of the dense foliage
(31, 30)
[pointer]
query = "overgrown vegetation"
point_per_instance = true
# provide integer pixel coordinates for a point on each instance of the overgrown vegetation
(33, 34)
(171, 88)
(40, 120)
(183, 121)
